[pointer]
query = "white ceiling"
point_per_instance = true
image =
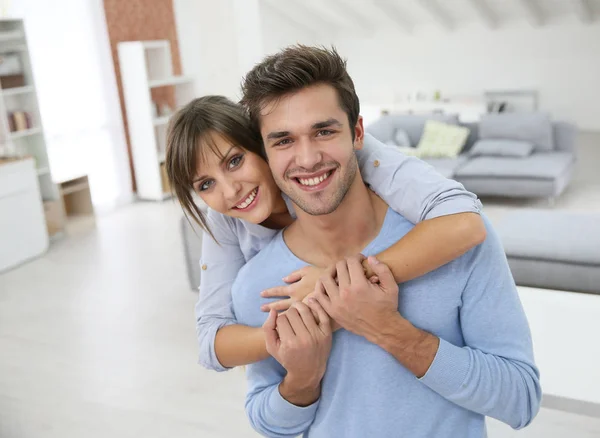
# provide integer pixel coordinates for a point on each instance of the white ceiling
(364, 16)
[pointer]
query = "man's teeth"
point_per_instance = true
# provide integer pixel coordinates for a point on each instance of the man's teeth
(314, 181)
(248, 200)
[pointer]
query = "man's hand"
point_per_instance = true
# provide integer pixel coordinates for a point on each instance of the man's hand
(300, 284)
(302, 347)
(355, 302)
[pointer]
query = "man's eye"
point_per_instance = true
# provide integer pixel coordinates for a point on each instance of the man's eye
(205, 185)
(283, 142)
(323, 132)
(235, 162)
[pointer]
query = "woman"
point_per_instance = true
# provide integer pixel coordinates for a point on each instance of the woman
(213, 151)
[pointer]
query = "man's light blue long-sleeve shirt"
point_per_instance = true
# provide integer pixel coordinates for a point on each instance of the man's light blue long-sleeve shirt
(484, 365)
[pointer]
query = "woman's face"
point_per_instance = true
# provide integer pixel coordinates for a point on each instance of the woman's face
(236, 182)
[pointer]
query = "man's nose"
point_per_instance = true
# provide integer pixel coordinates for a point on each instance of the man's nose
(308, 154)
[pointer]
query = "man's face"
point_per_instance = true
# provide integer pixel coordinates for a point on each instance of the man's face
(309, 146)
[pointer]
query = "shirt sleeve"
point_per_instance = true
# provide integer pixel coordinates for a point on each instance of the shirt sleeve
(220, 264)
(269, 413)
(495, 373)
(410, 186)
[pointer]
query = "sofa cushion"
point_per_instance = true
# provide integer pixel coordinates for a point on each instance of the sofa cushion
(502, 148)
(541, 165)
(442, 140)
(447, 166)
(385, 128)
(534, 127)
(552, 235)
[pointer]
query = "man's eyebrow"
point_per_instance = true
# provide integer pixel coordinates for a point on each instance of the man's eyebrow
(326, 123)
(220, 162)
(277, 134)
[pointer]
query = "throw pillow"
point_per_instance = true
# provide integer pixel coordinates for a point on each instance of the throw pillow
(401, 138)
(440, 140)
(502, 148)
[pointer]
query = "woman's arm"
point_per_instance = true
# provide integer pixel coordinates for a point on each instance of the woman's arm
(223, 343)
(446, 215)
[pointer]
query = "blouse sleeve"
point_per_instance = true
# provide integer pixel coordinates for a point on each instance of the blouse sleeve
(220, 264)
(410, 186)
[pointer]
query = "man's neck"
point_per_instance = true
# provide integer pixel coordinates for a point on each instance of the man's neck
(322, 240)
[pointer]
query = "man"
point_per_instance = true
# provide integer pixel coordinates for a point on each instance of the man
(431, 360)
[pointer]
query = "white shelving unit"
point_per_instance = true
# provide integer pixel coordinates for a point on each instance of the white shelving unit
(18, 93)
(145, 67)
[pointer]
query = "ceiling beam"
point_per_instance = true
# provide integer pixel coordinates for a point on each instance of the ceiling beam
(485, 12)
(301, 17)
(533, 11)
(438, 13)
(583, 11)
(392, 11)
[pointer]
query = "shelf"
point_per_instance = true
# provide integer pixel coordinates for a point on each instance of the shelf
(67, 188)
(155, 44)
(11, 35)
(163, 120)
(175, 80)
(18, 90)
(25, 133)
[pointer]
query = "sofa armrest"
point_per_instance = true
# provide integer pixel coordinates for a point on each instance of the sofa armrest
(565, 136)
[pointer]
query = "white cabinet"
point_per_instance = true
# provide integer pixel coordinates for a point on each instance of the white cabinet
(23, 233)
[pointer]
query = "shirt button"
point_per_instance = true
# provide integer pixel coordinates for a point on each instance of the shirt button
(204, 267)
(376, 163)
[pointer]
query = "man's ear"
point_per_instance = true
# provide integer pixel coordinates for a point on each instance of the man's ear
(359, 134)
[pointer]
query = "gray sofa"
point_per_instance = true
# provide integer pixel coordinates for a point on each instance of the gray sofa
(545, 172)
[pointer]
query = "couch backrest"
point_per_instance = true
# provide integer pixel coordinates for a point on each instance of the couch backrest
(564, 133)
(385, 128)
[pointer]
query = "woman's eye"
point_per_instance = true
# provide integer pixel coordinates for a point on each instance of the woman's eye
(235, 161)
(205, 185)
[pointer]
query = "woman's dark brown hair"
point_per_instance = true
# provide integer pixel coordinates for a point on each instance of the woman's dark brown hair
(190, 133)
(292, 69)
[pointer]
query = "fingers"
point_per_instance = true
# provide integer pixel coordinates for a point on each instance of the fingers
(284, 327)
(274, 292)
(296, 322)
(343, 276)
(320, 295)
(295, 276)
(386, 278)
(355, 268)
(324, 320)
(307, 316)
(278, 305)
(269, 327)
(330, 287)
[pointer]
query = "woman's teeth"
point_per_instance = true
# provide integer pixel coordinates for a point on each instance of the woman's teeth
(248, 200)
(314, 181)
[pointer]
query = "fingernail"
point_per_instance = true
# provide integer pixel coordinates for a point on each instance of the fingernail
(264, 308)
(373, 260)
(262, 294)
(311, 300)
(285, 278)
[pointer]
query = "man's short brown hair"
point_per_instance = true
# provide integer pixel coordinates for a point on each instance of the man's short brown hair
(292, 69)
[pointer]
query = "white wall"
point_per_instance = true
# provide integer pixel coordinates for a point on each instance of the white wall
(561, 61)
(208, 44)
(77, 92)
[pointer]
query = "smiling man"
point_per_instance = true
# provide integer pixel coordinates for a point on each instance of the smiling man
(431, 360)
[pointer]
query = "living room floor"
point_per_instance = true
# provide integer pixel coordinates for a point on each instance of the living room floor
(98, 337)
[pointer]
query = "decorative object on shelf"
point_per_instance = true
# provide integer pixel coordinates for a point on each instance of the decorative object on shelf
(11, 70)
(19, 121)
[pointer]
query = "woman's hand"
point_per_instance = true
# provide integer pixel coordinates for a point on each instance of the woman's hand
(301, 284)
